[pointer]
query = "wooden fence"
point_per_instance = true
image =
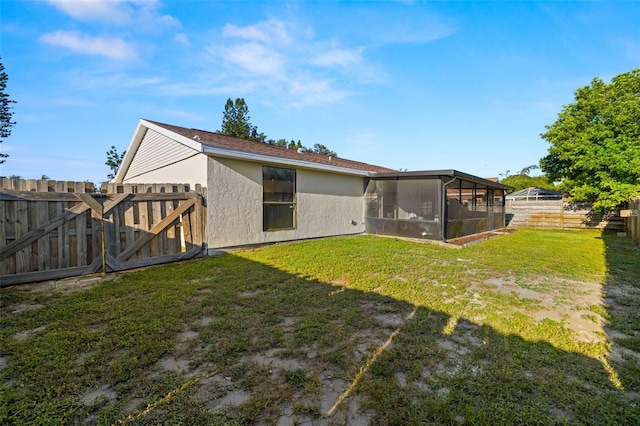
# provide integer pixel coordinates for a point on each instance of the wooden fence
(558, 214)
(51, 230)
(632, 220)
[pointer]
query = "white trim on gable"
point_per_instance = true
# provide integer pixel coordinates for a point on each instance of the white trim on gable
(144, 125)
(191, 143)
(151, 149)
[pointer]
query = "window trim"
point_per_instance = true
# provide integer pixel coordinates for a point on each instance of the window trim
(292, 203)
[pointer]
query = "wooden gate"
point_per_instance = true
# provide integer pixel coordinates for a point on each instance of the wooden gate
(51, 230)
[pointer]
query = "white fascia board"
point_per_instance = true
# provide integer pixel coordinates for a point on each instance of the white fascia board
(191, 143)
(134, 144)
(269, 159)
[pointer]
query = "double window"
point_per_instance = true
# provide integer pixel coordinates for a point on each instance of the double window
(278, 198)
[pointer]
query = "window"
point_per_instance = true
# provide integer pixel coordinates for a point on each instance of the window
(278, 198)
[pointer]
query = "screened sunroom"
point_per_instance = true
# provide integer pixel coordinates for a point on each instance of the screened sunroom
(433, 205)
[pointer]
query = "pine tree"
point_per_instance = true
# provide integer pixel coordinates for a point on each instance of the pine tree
(6, 110)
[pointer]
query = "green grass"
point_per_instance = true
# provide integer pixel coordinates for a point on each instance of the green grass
(281, 331)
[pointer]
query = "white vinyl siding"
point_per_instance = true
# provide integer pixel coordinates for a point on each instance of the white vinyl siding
(155, 152)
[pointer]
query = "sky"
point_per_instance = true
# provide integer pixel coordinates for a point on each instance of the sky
(402, 84)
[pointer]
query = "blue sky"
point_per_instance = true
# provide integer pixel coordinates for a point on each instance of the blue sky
(406, 84)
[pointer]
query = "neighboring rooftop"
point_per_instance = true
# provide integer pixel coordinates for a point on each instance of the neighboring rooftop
(218, 140)
(535, 193)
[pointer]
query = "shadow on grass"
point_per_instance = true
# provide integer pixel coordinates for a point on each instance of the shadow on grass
(622, 303)
(226, 340)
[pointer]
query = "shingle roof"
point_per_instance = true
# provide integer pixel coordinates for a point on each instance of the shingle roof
(222, 141)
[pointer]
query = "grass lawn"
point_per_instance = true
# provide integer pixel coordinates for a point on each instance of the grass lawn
(534, 327)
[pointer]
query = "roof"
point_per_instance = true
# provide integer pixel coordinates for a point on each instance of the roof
(450, 173)
(535, 193)
(215, 143)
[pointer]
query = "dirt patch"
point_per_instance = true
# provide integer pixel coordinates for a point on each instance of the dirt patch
(271, 360)
(83, 357)
(187, 335)
(390, 320)
(103, 391)
(478, 238)
(22, 307)
(205, 321)
(134, 404)
(24, 335)
(231, 399)
(559, 300)
(332, 388)
(172, 364)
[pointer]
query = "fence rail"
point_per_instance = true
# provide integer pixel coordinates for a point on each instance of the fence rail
(557, 214)
(52, 230)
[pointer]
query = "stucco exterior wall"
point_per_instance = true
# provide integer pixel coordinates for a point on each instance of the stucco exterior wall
(192, 170)
(327, 204)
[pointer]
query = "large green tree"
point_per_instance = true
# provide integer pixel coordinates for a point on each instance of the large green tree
(6, 111)
(595, 142)
(236, 121)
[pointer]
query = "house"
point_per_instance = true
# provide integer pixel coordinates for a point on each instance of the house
(259, 193)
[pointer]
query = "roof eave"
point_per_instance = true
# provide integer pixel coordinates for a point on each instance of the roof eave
(439, 173)
(270, 159)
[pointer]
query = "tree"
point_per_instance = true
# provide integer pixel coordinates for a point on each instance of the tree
(6, 111)
(321, 149)
(595, 142)
(235, 121)
(522, 180)
(114, 160)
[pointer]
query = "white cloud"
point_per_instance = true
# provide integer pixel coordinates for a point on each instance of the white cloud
(254, 58)
(115, 11)
(272, 56)
(182, 39)
(337, 57)
(419, 31)
(110, 47)
(143, 13)
(308, 90)
(270, 31)
(295, 66)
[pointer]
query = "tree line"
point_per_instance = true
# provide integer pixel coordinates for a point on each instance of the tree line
(237, 123)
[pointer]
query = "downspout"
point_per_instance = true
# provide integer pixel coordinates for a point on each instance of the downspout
(443, 208)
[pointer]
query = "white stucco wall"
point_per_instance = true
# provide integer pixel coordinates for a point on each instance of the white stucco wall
(327, 204)
(192, 170)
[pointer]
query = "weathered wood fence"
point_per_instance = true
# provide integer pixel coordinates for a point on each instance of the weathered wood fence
(51, 230)
(633, 220)
(558, 214)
